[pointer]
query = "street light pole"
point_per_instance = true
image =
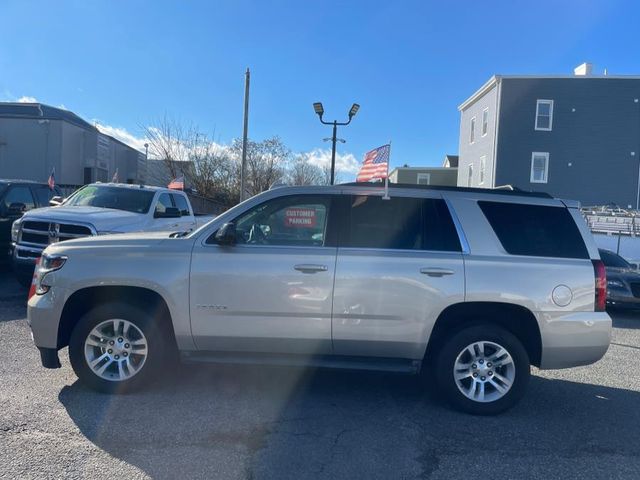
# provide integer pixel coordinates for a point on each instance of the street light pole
(333, 151)
(319, 109)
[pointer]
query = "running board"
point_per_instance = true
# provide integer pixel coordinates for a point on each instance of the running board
(345, 362)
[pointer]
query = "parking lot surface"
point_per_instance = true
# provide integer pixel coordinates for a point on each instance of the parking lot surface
(278, 423)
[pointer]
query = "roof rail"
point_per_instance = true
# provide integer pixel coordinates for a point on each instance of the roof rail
(512, 191)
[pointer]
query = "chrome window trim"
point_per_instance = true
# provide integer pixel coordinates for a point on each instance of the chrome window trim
(279, 247)
(456, 222)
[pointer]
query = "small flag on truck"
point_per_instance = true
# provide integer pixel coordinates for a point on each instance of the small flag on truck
(52, 179)
(177, 183)
(375, 165)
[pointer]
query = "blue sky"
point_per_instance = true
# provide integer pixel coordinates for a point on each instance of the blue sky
(409, 64)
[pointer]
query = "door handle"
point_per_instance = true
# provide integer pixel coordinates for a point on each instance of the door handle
(310, 268)
(436, 272)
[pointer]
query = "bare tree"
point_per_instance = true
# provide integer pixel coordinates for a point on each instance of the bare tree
(208, 168)
(213, 170)
(267, 162)
(301, 172)
(167, 139)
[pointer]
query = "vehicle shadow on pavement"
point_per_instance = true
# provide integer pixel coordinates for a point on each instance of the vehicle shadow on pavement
(265, 422)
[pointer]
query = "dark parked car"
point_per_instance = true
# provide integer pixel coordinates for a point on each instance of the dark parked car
(623, 281)
(16, 197)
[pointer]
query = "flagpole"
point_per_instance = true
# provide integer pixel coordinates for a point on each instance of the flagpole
(386, 178)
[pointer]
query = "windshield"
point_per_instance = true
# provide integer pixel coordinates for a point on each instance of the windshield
(118, 198)
(610, 259)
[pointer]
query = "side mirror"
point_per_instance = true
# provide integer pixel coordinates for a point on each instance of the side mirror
(55, 201)
(170, 212)
(226, 235)
(16, 209)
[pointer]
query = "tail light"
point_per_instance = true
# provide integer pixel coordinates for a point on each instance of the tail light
(601, 285)
(34, 279)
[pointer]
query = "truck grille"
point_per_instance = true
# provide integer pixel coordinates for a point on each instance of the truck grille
(635, 289)
(40, 234)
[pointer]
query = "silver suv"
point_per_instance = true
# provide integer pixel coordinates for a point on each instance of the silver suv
(468, 286)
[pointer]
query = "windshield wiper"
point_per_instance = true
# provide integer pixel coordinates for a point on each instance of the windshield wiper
(178, 234)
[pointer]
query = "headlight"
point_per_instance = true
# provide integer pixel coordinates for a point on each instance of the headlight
(46, 265)
(615, 284)
(15, 230)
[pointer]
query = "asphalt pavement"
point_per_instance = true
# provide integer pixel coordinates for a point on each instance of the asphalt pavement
(284, 423)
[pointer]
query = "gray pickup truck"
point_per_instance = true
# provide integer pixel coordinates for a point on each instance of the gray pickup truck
(467, 287)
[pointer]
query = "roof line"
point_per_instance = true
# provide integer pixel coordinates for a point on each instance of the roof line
(491, 191)
(488, 85)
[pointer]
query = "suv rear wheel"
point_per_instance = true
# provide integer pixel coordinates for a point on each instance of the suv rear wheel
(115, 348)
(483, 369)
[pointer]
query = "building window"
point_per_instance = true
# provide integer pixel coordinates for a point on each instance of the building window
(470, 175)
(424, 179)
(472, 133)
(483, 165)
(539, 167)
(544, 115)
(485, 121)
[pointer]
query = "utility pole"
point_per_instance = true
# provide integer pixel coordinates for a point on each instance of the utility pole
(243, 169)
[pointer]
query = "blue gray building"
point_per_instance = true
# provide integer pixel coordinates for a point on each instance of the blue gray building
(36, 138)
(574, 136)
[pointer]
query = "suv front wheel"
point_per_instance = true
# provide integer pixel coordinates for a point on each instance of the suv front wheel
(116, 348)
(483, 369)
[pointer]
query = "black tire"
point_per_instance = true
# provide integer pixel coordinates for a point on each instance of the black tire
(157, 346)
(446, 358)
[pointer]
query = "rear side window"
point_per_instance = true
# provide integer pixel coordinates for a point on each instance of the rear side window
(181, 203)
(440, 232)
(535, 230)
(399, 223)
(164, 202)
(43, 195)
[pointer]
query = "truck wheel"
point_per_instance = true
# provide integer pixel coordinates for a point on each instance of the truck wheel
(116, 348)
(483, 370)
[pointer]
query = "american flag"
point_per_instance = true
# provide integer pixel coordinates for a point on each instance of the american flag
(177, 183)
(375, 164)
(52, 179)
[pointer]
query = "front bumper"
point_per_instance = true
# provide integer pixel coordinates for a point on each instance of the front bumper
(24, 261)
(622, 298)
(572, 339)
(43, 316)
(49, 357)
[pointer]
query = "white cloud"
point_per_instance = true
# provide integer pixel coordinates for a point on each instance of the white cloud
(27, 99)
(345, 163)
(123, 135)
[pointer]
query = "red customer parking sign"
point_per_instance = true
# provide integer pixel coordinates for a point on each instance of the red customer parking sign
(300, 217)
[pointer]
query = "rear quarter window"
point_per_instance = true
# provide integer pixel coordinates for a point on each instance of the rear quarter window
(535, 230)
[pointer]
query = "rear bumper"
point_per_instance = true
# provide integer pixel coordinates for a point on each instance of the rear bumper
(573, 339)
